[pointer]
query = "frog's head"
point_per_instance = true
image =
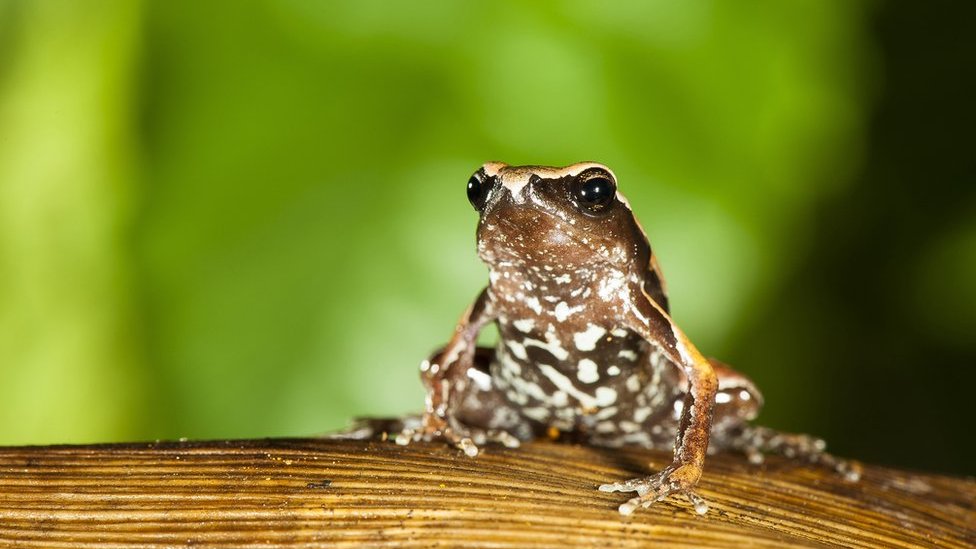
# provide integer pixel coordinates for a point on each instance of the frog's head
(555, 218)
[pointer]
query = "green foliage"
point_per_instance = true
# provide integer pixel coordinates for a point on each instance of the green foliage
(230, 219)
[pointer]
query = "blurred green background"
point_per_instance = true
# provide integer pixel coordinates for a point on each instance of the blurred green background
(248, 219)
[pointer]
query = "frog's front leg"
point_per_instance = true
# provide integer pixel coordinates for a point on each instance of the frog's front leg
(450, 379)
(482, 413)
(647, 318)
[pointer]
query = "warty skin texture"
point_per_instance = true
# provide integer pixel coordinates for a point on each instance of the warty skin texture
(587, 349)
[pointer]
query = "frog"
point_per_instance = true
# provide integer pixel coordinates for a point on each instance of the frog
(587, 348)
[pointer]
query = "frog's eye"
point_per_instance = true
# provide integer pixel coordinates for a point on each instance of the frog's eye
(594, 190)
(478, 188)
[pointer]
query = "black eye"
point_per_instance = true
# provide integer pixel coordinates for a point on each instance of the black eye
(477, 192)
(595, 190)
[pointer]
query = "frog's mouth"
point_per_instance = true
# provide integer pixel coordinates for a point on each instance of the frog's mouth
(596, 251)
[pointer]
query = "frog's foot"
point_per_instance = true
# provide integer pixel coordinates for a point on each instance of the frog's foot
(467, 439)
(375, 428)
(676, 479)
(756, 441)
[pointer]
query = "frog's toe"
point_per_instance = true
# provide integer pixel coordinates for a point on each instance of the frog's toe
(754, 455)
(756, 441)
(407, 436)
(652, 495)
(655, 488)
(419, 434)
(461, 440)
(484, 436)
(850, 470)
(647, 492)
(474, 437)
(639, 485)
(467, 446)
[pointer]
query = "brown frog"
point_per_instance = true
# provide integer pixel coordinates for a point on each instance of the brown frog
(587, 347)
